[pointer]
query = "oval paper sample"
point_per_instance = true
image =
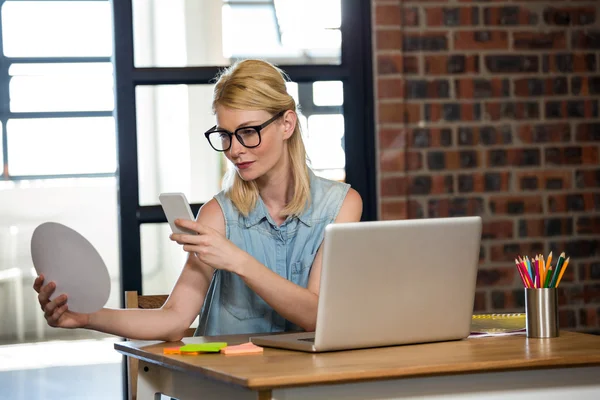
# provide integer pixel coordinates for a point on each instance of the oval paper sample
(64, 256)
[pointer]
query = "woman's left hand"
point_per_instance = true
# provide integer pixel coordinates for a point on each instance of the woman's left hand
(210, 246)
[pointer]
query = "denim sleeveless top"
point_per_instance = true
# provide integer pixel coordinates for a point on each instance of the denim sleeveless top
(231, 307)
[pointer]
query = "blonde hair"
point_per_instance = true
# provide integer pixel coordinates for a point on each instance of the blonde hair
(259, 85)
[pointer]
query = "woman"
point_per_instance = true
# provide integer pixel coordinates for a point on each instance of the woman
(255, 264)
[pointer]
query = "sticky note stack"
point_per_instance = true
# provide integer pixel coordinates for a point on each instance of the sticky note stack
(240, 349)
(195, 349)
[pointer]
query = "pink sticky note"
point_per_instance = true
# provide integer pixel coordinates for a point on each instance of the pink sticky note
(245, 348)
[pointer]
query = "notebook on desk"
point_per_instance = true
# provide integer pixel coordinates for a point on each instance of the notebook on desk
(387, 283)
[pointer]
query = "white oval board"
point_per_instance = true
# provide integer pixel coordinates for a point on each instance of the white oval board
(65, 257)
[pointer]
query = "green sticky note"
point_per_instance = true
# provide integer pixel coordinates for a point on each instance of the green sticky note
(211, 347)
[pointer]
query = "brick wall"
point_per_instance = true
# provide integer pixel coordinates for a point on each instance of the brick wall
(491, 108)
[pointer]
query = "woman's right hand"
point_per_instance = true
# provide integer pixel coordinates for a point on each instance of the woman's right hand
(56, 311)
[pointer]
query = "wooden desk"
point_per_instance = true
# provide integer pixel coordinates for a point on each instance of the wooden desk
(492, 368)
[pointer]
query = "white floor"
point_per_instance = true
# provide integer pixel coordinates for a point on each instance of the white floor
(61, 370)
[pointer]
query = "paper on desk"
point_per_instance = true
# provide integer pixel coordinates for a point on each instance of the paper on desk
(485, 325)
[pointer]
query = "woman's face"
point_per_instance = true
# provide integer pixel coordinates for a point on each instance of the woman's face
(252, 163)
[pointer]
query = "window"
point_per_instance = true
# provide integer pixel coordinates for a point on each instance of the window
(168, 33)
(59, 86)
(56, 29)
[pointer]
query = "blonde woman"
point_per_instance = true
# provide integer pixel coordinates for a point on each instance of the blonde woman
(255, 264)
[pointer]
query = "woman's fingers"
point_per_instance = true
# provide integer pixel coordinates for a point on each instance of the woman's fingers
(52, 306)
(37, 284)
(58, 312)
(45, 293)
(186, 239)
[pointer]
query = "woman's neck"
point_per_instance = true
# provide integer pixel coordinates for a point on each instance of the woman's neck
(276, 188)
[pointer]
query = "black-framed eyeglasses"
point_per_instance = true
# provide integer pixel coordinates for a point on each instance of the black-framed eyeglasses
(248, 136)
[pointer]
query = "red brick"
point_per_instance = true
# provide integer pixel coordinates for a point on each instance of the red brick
(436, 16)
(589, 316)
(469, 88)
(399, 112)
(503, 16)
(581, 108)
(564, 176)
(566, 318)
(571, 155)
(441, 184)
(481, 184)
(480, 40)
(388, 14)
(571, 202)
(516, 205)
(496, 276)
(589, 178)
(430, 137)
(401, 210)
(425, 41)
(443, 208)
(548, 87)
(588, 225)
(397, 160)
(576, 62)
(513, 110)
(410, 16)
(508, 252)
(497, 229)
(548, 179)
(390, 88)
(389, 39)
(456, 64)
(570, 16)
(397, 64)
(468, 112)
(480, 304)
(393, 186)
(392, 138)
(392, 211)
(588, 271)
(538, 41)
(557, 132)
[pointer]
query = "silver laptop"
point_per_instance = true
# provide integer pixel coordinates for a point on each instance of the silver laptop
(387, 283)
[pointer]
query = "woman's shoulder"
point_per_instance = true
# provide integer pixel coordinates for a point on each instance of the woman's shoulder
(321, 186)
(212, 215)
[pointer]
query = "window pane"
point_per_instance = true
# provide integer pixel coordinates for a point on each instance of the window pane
(57, 28)
(173, 154)
(328, 93)
(61, 87)
(54, 146)
(162, 260)
(214, 32)
(292, 89)
(325, 141)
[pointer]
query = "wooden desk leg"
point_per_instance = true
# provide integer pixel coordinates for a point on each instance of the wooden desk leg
(154, 380)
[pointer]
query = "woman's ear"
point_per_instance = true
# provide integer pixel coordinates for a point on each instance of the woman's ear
(289, 119)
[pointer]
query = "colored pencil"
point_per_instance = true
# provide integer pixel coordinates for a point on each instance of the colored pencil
(559, 264)
(523, 279)
(562, 271)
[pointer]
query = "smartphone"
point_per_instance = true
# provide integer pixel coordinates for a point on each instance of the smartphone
(176, 206)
